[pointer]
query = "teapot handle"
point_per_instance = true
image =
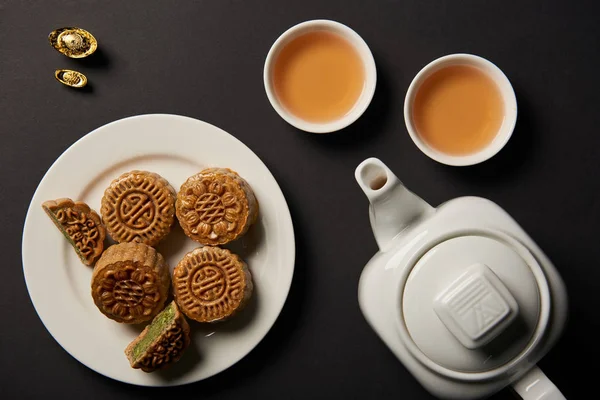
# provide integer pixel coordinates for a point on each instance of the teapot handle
(535, 385)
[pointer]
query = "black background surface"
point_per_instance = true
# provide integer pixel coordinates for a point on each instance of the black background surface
(204, 59)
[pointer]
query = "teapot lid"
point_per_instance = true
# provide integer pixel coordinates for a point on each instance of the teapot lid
(474, 304)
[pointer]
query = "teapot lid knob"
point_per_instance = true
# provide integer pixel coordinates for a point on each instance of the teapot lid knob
(476, 307)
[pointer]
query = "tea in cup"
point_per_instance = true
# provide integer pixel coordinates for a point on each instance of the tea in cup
(320, 76)
(460, 109)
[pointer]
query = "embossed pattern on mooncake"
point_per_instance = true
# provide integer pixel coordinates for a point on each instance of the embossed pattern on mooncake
(216, 206)
(211, 284)
(162, 342)
(139, 206)
(80, 225)
(130, 283)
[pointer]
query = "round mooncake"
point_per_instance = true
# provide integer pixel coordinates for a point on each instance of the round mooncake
(216, 206)
(130, 283)
(139, 206)
(211, 284)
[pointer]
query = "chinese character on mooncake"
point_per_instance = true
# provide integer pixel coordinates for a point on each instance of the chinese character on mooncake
(216, 206)
(139, 206)
(211, 284)
(130, 283)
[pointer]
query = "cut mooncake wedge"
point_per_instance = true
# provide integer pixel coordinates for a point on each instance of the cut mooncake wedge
(216, 206)
(161, 343)
(139, 206)
(80, 225)
(130, 283)
(211, 284)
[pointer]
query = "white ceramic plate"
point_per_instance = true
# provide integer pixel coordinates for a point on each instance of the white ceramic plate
(174, 147)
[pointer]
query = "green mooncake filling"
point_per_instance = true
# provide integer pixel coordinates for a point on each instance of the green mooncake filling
(65, 234)
(156, 328)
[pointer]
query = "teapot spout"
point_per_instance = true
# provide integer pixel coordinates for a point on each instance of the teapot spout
(393, 208)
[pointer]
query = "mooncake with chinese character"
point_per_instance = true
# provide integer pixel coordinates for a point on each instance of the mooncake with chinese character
(216, 206)
(130, 283)
(138, 206)
(211, 284)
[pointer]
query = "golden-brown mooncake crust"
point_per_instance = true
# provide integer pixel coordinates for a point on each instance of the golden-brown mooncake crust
(166, 349)
(80, 224)
(139, 206)
(216, 206)
(130, 283)
(211, 284)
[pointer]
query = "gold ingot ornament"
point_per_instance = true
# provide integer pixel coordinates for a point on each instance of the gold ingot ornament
(73, 42)
(70, 78)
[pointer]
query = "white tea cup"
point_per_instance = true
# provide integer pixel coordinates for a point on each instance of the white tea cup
(370, 78)
(506, 92)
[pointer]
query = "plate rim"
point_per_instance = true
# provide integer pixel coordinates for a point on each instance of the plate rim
(96, 131)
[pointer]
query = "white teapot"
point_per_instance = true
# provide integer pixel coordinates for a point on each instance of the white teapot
(460, 293)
